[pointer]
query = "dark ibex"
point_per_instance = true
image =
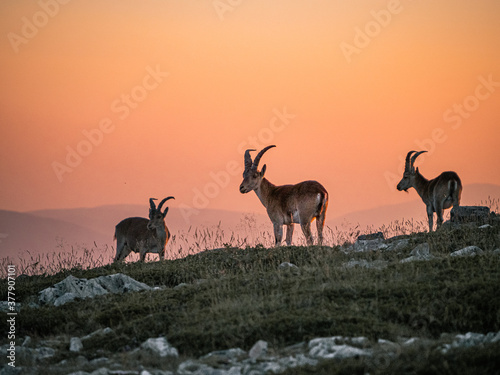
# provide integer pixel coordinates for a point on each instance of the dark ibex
(438, 194)
(141, 235)
(287, 204)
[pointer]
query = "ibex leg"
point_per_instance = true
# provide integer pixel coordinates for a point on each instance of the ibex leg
(430, 217)
(278, 234)
(289, 234)
(306, 229)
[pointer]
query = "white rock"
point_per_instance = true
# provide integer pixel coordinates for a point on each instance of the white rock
(286, 265)
(75, 344)
(485, 226)
(493, 337)
(327, 348)
(71, 288)
(65, 298)
(421, 250)
(398, 244)
(191, 367)
(181, 285)
(370, 245)
(99, 332)
(360, 341)
(160, 346)
(26, 341)
(259, 349)
(411, 341)
(45, 352)
(100, 371)
(298, 360)
(467, 251)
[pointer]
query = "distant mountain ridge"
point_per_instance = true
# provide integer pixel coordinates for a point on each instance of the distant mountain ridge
(44, 231)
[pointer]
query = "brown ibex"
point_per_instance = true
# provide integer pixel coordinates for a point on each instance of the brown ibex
(438, 194)
(286, 204)
(141, 235)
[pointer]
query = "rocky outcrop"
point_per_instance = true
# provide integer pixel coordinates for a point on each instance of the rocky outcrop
(470, 214)
(72, 288)
(260, 359)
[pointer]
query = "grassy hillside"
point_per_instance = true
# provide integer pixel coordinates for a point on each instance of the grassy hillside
(234, 297)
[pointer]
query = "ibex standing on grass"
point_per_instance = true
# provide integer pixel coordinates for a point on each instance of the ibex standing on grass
(287, 204)
(438, 194)
(141, 235)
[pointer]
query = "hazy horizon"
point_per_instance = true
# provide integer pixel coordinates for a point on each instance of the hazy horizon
(118, 101)
(62, 229)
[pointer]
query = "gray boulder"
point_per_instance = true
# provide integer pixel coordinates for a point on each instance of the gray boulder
(334, 348)
(71, 288)
(470, 214)
(421, 252)
(370, 242)
(75, 344)
(160, 346)
(259, 350)
(467, 251)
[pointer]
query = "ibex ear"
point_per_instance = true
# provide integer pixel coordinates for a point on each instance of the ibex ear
(263, 171)
(165, 212)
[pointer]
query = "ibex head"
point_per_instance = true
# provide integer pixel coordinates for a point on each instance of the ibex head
(409, 173)
(155, 215)
(251, 176)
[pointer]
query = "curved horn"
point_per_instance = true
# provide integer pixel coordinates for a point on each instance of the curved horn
(408, 163)
(415, 156)
(163, 201)
(248, 159)
(259, 155)
(152, 204)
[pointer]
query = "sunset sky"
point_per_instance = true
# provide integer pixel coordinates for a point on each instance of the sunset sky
(115, 101)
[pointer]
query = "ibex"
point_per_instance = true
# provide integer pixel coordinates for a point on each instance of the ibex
(286, 204)
(438, 194)
(141, 235)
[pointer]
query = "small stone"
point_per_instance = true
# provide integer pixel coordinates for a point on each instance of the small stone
(99, 332)
(258, 350)
(75, 344)
(467, 251)
(160, 346)
(286, 265)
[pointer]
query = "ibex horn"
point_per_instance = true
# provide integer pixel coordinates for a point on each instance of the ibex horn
(259, 155)
(415, 156)
(163, 201)
(408, 163)
(248, 159)
(152, 203)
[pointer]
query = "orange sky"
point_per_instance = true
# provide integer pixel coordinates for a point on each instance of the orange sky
(171, 92)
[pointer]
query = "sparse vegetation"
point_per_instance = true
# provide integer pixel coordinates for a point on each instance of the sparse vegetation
(233, 297)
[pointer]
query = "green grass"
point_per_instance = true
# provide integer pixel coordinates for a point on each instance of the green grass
(235, 297)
